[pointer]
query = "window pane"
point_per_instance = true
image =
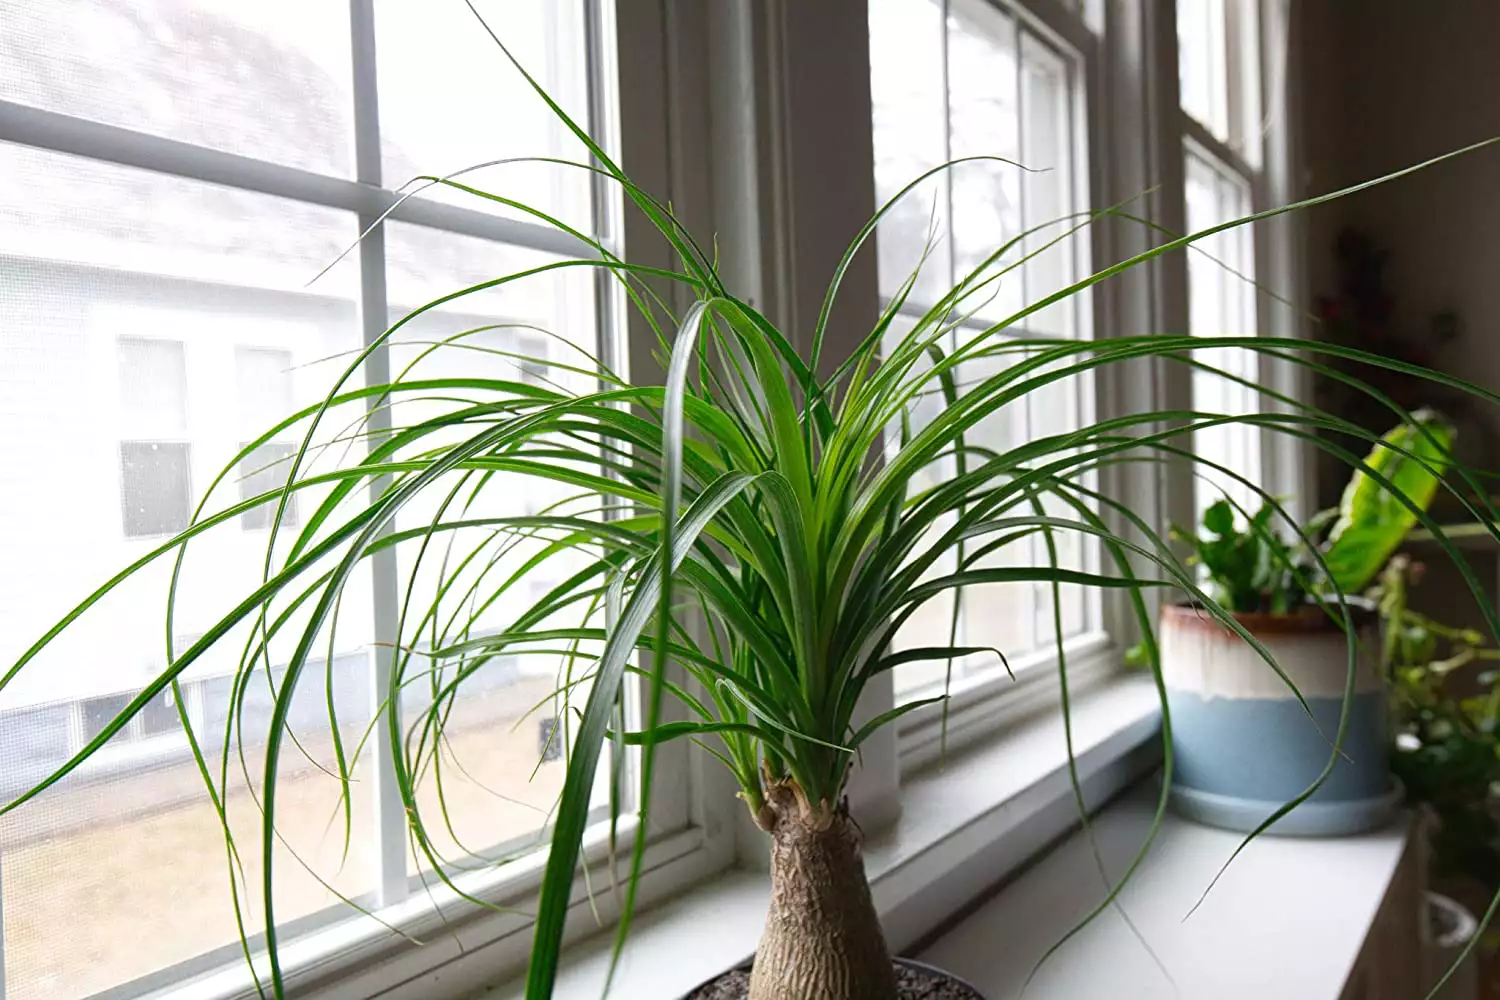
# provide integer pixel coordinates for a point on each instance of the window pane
(1202, 63)
(265, 469)
(906, 94)
(932, 623)
(155, 488)
(127, 300)
(268, 79)
(1047, 149)
(984, 121)
(1056, 408)
(153, 388)
(1222, 303)
(449, 99)
(998, 614)
(483, 776)
(1005, 93)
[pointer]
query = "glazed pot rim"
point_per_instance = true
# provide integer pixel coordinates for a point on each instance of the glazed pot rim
(1310, 619)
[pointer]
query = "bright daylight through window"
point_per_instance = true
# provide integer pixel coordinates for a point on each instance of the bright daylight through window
(1219, 79)
(966, 78)
(184, 317)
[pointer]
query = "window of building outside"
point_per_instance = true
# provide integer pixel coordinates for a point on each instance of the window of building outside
(1218, 58)
(152, 325)
(965, 78)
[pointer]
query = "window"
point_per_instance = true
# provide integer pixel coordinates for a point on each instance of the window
(1219, 82)
(973, 78)
(1222, 303)
(155, 475)
(155, 321)
(263, 380)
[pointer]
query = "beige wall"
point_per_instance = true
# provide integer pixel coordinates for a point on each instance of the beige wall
(1388, 83)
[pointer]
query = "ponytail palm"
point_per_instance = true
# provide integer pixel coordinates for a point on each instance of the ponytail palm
(746, 537)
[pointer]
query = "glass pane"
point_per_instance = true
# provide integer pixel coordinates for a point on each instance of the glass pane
(998, 614)
(1057, 408)
(103, 269)
(265, 469)
(1047, 149)
(984, 120)
(269, 79)
(155, 488)
(1222, 303)
(1202, 63)
(932, 622)
(153, 388)
(907, 98)
(482, 792)
(449, 99)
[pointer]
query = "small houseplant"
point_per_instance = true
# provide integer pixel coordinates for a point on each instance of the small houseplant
(1292, 598)
(742, 491)
(1447, 755)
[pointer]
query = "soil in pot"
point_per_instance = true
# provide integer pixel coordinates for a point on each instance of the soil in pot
(914, 981)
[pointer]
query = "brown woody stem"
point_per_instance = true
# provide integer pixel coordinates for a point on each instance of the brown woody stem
(822, 939)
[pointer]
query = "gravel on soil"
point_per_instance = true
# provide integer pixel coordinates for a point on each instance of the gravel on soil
(912, 983)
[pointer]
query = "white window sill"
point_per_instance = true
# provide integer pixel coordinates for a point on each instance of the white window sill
(1292, 918)
(965, 824)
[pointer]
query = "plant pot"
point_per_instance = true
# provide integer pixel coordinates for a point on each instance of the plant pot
(1449, 928)
(1243, 743)
(915, 980)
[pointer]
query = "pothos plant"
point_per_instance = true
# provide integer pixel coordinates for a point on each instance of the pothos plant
(1255, 569)
(1447, 748)
(743, 488)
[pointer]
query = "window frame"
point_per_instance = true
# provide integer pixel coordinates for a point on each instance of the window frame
(1259, 152)
(709, 111)
(682, 846)
(982, 703)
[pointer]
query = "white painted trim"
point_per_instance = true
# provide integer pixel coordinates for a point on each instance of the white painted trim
(112, 144)
(977, 708)
(1281, 256)
(1293, 917)
(388, 814)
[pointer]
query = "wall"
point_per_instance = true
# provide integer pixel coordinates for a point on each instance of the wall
(1388, 83)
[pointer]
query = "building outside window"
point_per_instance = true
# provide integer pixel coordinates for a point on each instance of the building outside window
(155, 322)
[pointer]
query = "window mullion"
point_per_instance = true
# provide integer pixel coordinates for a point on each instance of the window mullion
(390, 814)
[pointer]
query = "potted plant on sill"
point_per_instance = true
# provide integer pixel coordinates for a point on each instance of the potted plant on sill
(1303, 605)
(741, 489)
(1445, 709)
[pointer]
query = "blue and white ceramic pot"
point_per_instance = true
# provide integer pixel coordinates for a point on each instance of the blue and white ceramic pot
(1244, 744)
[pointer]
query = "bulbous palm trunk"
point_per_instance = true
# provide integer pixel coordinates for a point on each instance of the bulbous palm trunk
(822, 939)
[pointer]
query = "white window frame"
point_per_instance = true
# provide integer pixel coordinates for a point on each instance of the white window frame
(684, 845)
(714, 114)
(981, 704)
(1259, 151)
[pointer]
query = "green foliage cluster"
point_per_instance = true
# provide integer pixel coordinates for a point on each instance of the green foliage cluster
(1254, 569)
(1445, 708)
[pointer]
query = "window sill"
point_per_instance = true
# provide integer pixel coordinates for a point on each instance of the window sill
(1314, 919)
(979, 706)
(964, 826)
